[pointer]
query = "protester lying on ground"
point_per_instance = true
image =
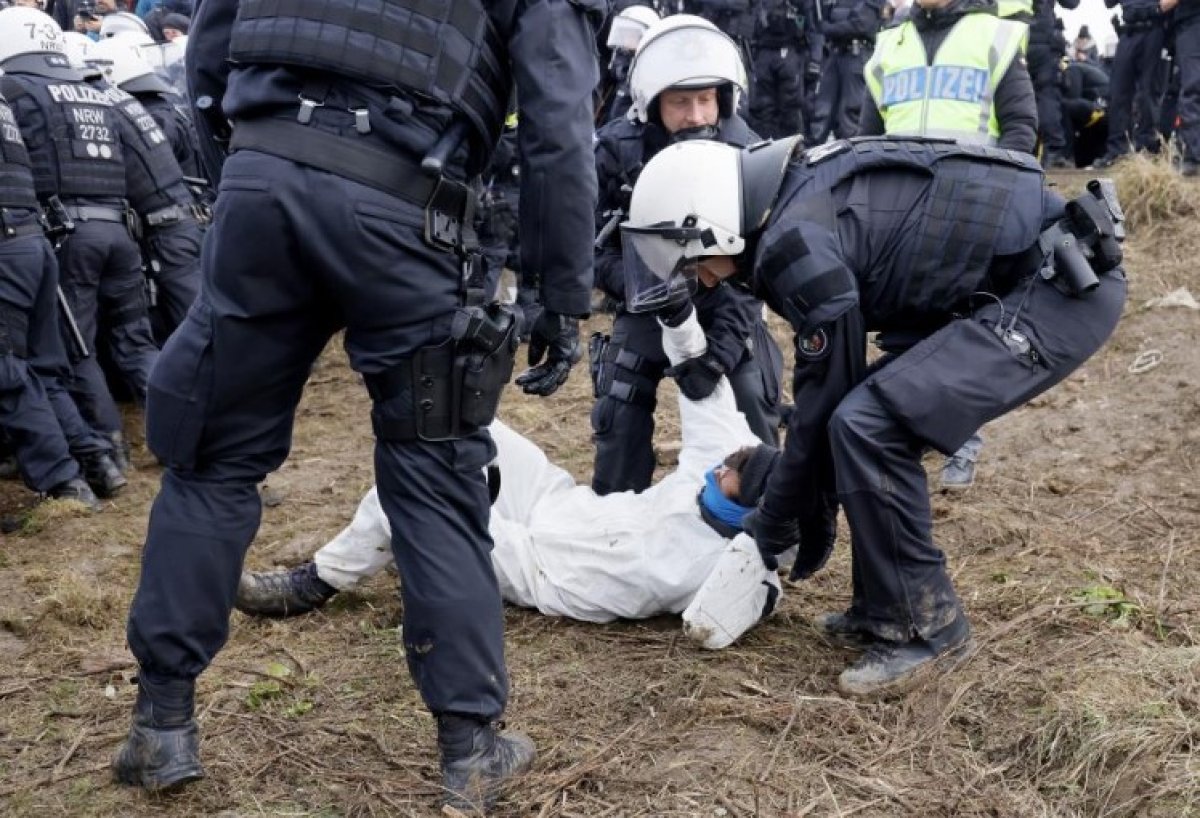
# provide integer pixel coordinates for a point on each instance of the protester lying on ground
(676, 547)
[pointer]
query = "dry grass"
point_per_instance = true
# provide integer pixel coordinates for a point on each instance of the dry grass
(1077, 556)
(1155, 197)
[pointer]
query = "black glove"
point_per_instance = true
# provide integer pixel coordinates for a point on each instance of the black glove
(697, 377)
(816, 542)
(556, 338)
(677, 309)
(773, 535)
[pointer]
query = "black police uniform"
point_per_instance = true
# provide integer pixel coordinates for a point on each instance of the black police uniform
(169, 231)
(1084, 93)
(788, 48)
(849, 27)
(734, 17)
(75, 146)
(1044, 54)
(28, 325)
(901, 237)
(324, 220)
(1013, 98)
(167, 110)
(1186, 30)
(634, 363)
(499, 239)
(1135, 82)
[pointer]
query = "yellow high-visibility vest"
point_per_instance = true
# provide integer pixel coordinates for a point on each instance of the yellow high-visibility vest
(952, 97)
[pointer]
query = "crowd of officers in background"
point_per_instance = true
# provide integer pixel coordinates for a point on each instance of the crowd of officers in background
(127, 248)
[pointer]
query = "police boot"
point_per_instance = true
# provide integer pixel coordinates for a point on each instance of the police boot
(162, 752)
(75, 489)
(120, 450)
(846, 630)
(477, 760)
(958, 473)
(283, 593)
(102, 474)
(890, 668)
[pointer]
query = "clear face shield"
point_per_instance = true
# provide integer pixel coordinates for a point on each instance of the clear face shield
(657, 272)
(625, 34)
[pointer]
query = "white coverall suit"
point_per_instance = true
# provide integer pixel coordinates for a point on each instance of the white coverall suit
(561, 548)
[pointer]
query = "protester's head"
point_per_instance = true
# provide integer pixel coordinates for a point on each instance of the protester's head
(686, 74)
(733, 489)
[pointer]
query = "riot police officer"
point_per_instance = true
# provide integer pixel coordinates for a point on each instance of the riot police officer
(685, 82)
(849, 27)
(78, 161)
(624, 33)
(29, 331)
(169, 232)
(1135, 82)
(788, 47)
(986, 289)
(1044, 54)
(381, 251)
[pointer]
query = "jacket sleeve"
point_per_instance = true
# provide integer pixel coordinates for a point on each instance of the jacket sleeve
(207, 58)
(1016, 108)
(804, 474)
(728, 316)
(870, 120)
(610, 275)
(555, 76)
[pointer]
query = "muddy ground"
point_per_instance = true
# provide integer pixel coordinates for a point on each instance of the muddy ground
(1077, 555)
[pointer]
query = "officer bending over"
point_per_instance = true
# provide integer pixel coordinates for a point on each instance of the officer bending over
(327, 220)
(899, 237)
(685, 81)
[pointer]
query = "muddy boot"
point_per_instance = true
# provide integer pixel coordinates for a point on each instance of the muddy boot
(891, 668)
(75, 489)
(162, 752)
(120, 450)
(477, 760)
(102, 474)
(846, 630)
(283, 593)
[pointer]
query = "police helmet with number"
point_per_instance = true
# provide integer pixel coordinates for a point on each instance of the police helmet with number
(692, 200)
(122, 64)
(122, 22)
(25, 31)
(630, 26)
(686, 52)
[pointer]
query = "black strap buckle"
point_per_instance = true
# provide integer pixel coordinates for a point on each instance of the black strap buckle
(446, 214)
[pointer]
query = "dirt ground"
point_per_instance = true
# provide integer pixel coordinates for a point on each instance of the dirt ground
(1077, 555)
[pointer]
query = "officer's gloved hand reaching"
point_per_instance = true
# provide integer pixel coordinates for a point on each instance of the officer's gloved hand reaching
(817, 536)
(697, 377)
(555, 338)
(772, 534)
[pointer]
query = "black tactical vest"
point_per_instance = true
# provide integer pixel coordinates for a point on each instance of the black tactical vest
(180, 131)
(16, 177)
(75, 149)
(452, 51)
(152, 176)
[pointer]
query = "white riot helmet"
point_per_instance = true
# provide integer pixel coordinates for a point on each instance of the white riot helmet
(25, 31)
(122, 64)
(79, 48)
(122, 22)
(685, 51)
(696, 199)
(629, 26)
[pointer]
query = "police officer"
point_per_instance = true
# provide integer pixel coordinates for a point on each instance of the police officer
(71, 132)
(787, 62)
(1085, 95)
(28, 328)
(624, 33)
(1135, 83)
(168, 228)
(900, 236)
(953, 70)
(685, 81)
(1046, 47)
(849, 27)
(1186, 23)
(326, 218)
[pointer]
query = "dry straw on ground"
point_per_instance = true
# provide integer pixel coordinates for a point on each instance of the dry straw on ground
(1077, 555)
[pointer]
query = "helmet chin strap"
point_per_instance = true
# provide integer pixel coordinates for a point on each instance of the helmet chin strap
(698, 132)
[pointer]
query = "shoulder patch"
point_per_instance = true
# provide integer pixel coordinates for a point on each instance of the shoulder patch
(813, 347)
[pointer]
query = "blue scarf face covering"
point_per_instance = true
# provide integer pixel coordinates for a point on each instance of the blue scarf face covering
(720, 506)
